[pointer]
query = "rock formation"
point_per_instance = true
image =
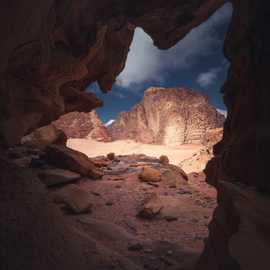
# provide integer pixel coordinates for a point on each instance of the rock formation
(51, 50)
(172, 116)
(83, 125)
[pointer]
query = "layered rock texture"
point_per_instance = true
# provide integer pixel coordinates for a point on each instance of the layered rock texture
(83, 125)
(51, 50)
(169, 116)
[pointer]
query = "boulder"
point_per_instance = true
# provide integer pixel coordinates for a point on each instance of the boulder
(76, 199)
(166, 207)
(44, 136)
(151, 206)
(164, 160)
(53, 177)
(178, 171)
(171, 178)
(111, 156)
(66, 158)
(149, 174)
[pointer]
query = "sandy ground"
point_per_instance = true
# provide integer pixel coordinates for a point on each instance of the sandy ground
(176, 155)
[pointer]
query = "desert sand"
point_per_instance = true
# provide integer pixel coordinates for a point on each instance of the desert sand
(176, 155)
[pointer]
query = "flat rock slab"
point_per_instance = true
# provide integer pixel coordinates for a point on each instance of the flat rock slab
(75, 198)
(66, 158)
(53, 177)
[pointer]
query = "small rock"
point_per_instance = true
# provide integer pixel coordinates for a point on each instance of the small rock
(171, 218)
(109, 203)
(95, 193)
(150, 174)
(148, 251)
(151, 206)
(111, 156)
(184, 191)
(152, 184)
(23, 162)
(76, 199)
(135, 247)
(53, 177)
(194, 220)
(164, 160)
(167, 261)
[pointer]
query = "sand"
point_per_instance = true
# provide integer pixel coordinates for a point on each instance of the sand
(176, 155)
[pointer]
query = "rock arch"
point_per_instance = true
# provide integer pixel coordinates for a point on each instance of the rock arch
(51, 50)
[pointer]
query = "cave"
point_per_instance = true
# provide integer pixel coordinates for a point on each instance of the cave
(48, 52)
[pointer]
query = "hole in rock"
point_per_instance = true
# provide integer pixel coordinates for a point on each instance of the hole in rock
(143, 194)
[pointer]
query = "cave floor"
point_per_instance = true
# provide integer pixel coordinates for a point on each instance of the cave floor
(173, 240)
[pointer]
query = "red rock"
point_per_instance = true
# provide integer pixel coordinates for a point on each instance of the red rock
(172, 116)
(164, 160)
(69, 159)
(83, 125)
(44, 136)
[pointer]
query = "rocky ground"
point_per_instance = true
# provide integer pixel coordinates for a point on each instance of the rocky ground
(144, 208)
(191, 157)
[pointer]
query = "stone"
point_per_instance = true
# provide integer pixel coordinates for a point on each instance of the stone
(23, 162)
(168, 116)
(44, 136)
(53, 177)
(111, 156)
(151, 206)
(149, 174)
(164, 160)
(171, 179)
(135, 247)
(69, 159)
(76, 199)
(180, 173)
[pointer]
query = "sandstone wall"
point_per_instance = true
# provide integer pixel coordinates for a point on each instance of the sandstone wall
(83, 125)
(171, 116)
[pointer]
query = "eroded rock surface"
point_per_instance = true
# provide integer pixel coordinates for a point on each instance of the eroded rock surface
(172, 116)
(83, 125)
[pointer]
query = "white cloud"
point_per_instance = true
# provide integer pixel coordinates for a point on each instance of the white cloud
(208, 78)
(118, 94)
(223, 112)
(147, 63)
(109, 122)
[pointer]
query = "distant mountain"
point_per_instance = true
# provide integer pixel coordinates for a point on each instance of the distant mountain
(83, 125)
(172, 116)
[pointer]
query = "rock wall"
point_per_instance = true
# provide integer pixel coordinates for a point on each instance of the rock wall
(239, 168)
(170, 116)
(83, 125)
(52, 51)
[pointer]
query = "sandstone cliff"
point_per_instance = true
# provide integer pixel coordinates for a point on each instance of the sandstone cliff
(168, 116)
(82, 125)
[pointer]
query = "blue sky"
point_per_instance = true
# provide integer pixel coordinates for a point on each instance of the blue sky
(196, 62)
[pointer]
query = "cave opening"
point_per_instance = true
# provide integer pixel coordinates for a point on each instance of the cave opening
(133, 211)
(165, 139)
